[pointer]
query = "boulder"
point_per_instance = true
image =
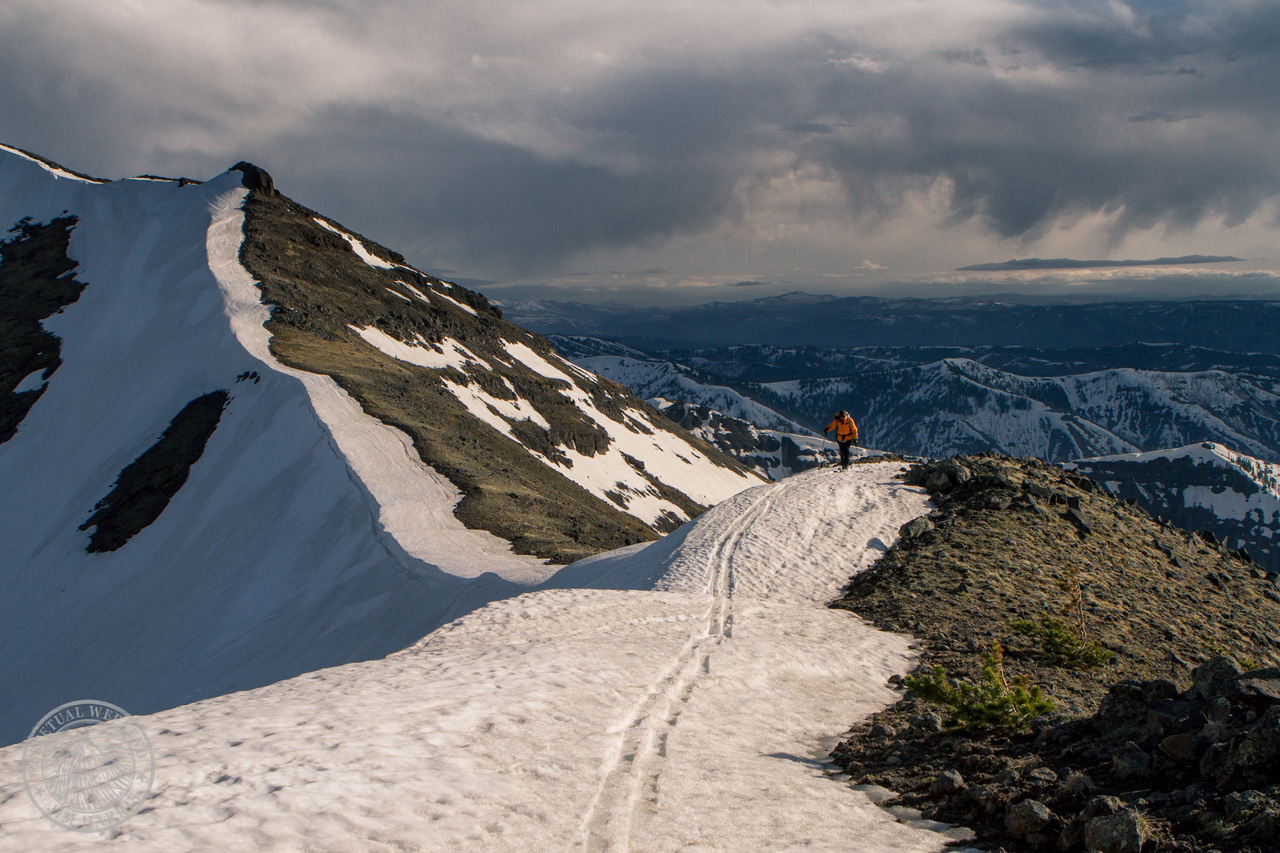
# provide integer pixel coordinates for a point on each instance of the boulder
(1217, 766)
(927, 722)
(1260, 746)
(256, 178)
(1027, 817)
(1130, 761)
(1259, 685)
(948, 782)
(915, 528)
(938, 481)
(1215, 677)
(1180, 747)
(1121, 832)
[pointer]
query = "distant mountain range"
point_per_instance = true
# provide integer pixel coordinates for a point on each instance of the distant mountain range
(808, 320)
(1116, 423)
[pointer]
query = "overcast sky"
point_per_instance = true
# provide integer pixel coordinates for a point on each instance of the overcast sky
(704, 149)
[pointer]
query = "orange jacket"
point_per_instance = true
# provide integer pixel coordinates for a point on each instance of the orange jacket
(846, 429)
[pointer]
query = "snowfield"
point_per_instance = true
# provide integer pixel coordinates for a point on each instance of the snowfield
(676, 695)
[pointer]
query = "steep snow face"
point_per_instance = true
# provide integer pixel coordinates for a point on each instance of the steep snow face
(306, 535)
(677, 695)
(1201, 487)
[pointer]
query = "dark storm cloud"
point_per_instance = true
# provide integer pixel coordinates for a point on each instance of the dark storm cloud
(496, 205)
(1159, 113)
(1021, 155)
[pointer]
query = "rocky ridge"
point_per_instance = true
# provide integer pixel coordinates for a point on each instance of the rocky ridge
(1170, 745)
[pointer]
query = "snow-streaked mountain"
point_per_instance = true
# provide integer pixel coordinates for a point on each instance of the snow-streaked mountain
(774, 453)
(1024, 402)
(651, 378)
(959, 405)
(304, 521)
(1201, 487)
(677, 695)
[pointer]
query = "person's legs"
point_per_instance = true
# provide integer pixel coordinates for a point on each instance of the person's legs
(844, 453)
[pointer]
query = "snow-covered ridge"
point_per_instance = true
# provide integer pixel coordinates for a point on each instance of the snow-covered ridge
(674, 695)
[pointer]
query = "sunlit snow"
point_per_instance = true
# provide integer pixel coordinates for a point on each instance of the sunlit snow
(357, 246)
(680, 695)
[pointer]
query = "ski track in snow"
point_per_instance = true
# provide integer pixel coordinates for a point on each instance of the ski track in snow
(678, 695)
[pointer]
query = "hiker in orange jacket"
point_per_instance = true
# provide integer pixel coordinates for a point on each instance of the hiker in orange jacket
(846, 434)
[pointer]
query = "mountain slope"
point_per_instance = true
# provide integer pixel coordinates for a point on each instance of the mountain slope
(1201, 487)
(298, 531)
(546, 455)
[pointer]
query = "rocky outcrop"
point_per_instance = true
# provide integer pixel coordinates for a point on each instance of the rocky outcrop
(1173, 744)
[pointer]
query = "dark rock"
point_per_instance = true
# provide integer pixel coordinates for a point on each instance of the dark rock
(256, 179)
(1263, 828)
(1043, 775)
(1216, 766)
(915, 528)
(1242, 805)
(937, 481)
(1077, 519)
(1121, 832)
(958, 474)
(1027, 817)
(1130, 760)
(1103, 805)
(927, 722)
(883, 731)
(1159, 690)
(1215, 677)
(988, 798)
(997, 501)
(1259, 685)
(1260, 746)
(948, 782)
(1180, 747)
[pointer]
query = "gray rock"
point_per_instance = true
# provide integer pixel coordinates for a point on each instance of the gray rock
(915, 528)
(1180, 747)
(1121, 832)
(1260, 746)
(1130, 760)
(1043, 774)
(1215, 678)
(882, 730)
(948, 782)
(998, 501)
(927, 722)
(1102, 805)
(1159, 690)
(1027, 817)
(1259, 684)
(937, 481)
(957, 473)
(1217, 766)
(1263, 828)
